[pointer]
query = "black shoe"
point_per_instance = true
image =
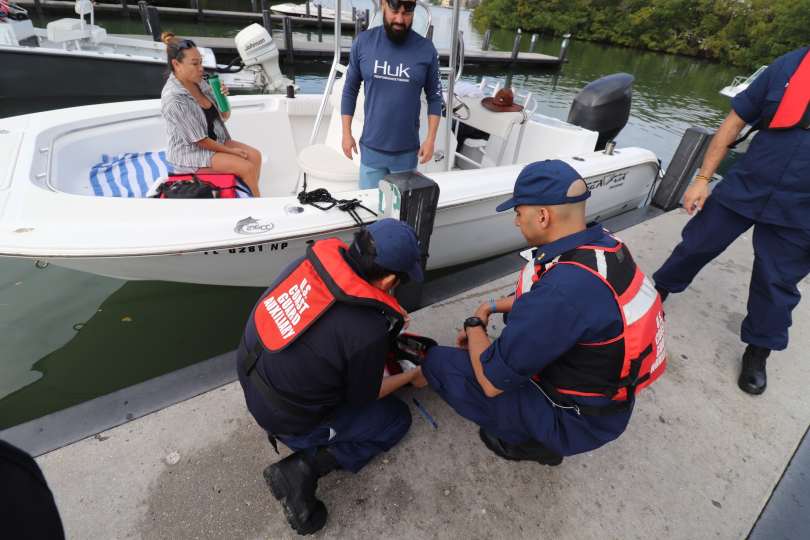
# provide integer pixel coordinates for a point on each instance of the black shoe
(753, 378)
(528, 451)
(293, 481)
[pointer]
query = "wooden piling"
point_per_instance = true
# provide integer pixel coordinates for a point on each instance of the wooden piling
(354, 13)
(429, 33)
(288, 37)
(153, 18)
(197, 6)
(254, 6)
(38, 8)
(516, 44)
(144, 19)
(267, 22)
(564, 47)
(366, 19)
(487, 38)
(533, 43)
(124, 8)
(320, 18)
(308, 14)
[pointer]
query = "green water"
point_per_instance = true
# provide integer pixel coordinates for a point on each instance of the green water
(71, 336)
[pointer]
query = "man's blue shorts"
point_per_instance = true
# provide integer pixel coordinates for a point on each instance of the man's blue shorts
(374, 165)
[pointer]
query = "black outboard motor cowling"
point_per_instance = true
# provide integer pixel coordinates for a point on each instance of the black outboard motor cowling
(603, 106)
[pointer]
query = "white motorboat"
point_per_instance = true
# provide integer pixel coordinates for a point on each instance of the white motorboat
(740, 83)
(308, 9)
(76, 59)
(58, 170)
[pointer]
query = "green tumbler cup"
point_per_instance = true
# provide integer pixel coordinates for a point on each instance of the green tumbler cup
(222, 101)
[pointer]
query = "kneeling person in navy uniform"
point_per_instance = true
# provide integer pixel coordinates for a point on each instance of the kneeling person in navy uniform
(312, 357)
(584, 333)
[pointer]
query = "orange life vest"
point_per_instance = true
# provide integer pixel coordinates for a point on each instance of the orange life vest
(794, 107)
(620, 367)
(310, 289)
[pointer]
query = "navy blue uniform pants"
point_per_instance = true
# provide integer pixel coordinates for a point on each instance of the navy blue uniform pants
(781, 260)
(355, 434)
(517, 415)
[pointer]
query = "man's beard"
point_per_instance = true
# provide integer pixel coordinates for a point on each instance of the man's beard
(397, 35)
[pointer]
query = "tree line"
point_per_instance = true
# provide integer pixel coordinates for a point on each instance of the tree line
(740, 32)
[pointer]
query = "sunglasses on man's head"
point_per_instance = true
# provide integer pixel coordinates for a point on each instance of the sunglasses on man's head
(409, 6)
(185, 44)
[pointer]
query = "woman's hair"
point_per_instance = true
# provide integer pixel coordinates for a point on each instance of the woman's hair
(175, 48)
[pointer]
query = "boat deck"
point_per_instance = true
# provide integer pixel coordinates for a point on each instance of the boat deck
(700, 458)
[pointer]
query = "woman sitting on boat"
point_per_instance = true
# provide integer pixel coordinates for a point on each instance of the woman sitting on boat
(199, 142)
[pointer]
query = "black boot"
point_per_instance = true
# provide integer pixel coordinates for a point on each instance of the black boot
(753, 378)
(528, 451)
(293, 481)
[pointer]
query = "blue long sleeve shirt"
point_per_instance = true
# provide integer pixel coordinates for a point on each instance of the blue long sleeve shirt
(393, 77)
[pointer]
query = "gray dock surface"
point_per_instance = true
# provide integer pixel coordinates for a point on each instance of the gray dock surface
(700, 458)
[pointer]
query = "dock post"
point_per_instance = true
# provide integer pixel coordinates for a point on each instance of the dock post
(267, 21)
(366, 20)
(288, 37)
(564, 47)
(144, 19)
(124, 8)
(38, 8)
(429, 34)
(320, 24)
(485, 41)
(254, 7)
(354, 13)
(516, 44)
(308, 12)
(197, 6)
(153, 18)
(533, 43)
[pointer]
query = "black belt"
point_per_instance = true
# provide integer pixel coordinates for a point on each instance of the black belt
(247, 366)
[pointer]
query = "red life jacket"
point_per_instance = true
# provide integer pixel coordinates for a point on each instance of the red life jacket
(794, 107)
(310, 289)
(619, 367)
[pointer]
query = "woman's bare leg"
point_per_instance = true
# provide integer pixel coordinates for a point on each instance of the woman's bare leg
(243, 168)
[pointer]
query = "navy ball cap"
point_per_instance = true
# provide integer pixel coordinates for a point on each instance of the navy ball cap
(544, 183)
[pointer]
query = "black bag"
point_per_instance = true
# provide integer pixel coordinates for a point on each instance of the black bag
(186, 189)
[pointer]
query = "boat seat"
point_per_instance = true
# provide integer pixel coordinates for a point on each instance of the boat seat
(323, 161)
(66, 30)
(496, 124)
(324, 164)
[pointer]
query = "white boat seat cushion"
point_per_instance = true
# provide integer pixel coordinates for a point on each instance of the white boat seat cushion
(323, 161)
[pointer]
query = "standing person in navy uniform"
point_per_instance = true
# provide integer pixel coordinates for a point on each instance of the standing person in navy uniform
(585, 332)
(769, 189)
(395, 64)
(312, 357)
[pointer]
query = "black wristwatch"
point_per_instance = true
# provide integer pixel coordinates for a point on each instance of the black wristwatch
(473, 321)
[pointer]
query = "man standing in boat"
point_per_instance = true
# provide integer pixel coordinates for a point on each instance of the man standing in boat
(395, 64)
(767, 189)
(585, 333)
(312, 356)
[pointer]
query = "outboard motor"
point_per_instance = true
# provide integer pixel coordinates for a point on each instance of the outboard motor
(603, 106)
(256, 48)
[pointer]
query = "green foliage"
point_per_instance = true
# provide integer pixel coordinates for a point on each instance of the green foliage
(741, 32)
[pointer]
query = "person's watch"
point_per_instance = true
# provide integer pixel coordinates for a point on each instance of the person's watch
(473, 321)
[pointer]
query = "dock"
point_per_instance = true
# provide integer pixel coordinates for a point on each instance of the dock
(700, 458)
(225, 49)
(302, 49)
(244, 17)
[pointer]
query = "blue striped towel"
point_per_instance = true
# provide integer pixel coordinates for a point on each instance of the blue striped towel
(128, 175)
